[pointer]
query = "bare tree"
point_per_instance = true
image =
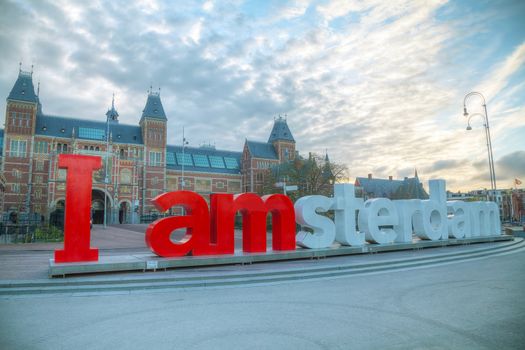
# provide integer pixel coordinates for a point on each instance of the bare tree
(312, 175)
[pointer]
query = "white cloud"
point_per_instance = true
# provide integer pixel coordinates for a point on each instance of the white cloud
(379, 87)
(499, 77)
(207, 6)
(338, 8)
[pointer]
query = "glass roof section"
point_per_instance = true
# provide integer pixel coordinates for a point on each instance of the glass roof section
(216, 162)
(91, 133)
(170, 158)
(201, 160)
(231, 163)
(186, 160)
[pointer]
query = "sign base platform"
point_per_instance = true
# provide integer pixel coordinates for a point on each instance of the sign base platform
(151, 262)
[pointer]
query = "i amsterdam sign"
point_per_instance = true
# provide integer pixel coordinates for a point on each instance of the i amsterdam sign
(210, 231)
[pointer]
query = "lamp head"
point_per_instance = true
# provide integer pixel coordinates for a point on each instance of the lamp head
(469, 128)
(465, 113)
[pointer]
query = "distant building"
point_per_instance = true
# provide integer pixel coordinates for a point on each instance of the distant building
(258, 157)
(138, 162)
(408, 188)
(510, 201)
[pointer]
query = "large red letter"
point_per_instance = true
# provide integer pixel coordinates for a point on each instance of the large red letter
(222, 223)
(197, 223)
(254, 211)
(283, 221)
(78, 207)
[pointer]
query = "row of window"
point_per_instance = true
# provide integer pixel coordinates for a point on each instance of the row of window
(17, 174)
(20, 119)
(15, 188)
(263, 164)
(18, 149)
(202, 185)
(155, 158)
(155, 134)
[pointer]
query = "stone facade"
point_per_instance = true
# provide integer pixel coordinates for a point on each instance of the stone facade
(138, 164)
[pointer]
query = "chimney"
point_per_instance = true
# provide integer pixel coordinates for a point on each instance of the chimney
(390, 178)
(369, 176)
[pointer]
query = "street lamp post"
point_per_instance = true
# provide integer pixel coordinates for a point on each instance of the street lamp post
(184, 143)
(487, 134)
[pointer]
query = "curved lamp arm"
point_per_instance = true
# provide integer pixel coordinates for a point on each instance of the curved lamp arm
(475, 115)
(468, 96)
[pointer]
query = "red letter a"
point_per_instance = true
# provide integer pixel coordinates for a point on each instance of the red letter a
(196, 221)
(78, 207)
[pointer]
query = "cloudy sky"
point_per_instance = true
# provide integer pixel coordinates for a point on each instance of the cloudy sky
(379, 84)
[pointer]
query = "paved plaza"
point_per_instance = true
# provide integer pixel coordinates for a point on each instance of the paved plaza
(471, 304)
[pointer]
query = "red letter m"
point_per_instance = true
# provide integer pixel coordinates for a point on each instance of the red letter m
(254, 211)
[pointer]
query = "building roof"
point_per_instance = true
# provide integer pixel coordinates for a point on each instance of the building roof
(23, 90)
(204, 160)
(153, 108)
(261, 150)
(56, 126)
(280, 131)
(393, 189)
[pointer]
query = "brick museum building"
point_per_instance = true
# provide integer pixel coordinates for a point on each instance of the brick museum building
(138, 164)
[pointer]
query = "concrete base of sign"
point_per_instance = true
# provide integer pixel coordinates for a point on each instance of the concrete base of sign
(516, 231)
(150, 262)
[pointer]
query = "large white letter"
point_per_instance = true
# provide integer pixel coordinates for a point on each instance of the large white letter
(433, 223)
(484, 218)
(375, 219)
(323, 228)
(345, 205)
(406, 210)
(459, 221)
(477, 218)
(494, 219)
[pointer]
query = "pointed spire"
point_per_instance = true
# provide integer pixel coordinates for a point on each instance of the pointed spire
(415, 173)
(326, 159)
(20, 67)
(38, 89)
(112, 114)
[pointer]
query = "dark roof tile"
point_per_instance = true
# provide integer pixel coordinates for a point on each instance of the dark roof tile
(56, 126)
(153, 108)
(261, 150)
(280, 131)
(23, 90)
